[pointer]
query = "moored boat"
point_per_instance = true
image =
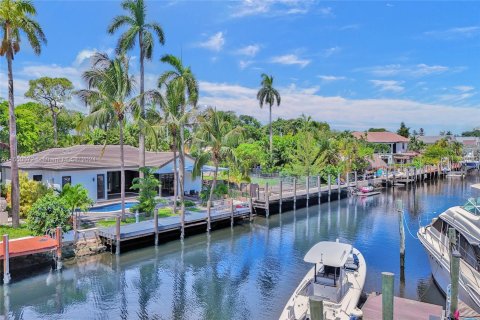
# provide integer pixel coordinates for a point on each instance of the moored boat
(337, 278)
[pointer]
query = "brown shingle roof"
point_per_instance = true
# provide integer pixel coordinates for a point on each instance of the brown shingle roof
(90, 157)
(380, 137)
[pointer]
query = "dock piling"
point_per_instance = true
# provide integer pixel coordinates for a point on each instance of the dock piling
(250, 204)
(356, 179)
(6, 260)
(294, 193)
(329, 186)
(209, 212)
(316, 308)
(232, 210)
(281, 197)
(402, 234)
(454, 278)
(267, 201)
(387, 295)
(58, 235)
(319, 186)
(155, 225)
(117, 235)
(307, 185)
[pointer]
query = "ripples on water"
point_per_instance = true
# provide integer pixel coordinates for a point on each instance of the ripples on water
(247, 272)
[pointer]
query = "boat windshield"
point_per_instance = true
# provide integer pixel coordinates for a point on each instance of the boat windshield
(473, 206)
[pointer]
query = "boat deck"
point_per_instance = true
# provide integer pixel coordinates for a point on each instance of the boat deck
(403, 309)
(30, 245)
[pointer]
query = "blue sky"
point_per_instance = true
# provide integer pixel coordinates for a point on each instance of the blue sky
(353, 64)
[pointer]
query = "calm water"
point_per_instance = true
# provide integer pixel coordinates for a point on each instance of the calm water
(247, 272)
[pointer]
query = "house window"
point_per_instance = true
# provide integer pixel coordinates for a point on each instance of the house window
(37, 177)
(66, 180)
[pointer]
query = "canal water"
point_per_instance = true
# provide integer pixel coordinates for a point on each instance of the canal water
(247, 272)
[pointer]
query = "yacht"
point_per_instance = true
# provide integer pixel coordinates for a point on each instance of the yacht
(434, 237)
(337, 277)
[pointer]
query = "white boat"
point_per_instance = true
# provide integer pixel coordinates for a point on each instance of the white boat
(337, 278)
(434, 237)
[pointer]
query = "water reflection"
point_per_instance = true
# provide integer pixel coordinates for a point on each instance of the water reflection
(245, 272)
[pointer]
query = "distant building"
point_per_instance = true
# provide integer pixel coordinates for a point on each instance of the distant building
(471, 147)
(397, 146)
(434, 139)
(97, 168)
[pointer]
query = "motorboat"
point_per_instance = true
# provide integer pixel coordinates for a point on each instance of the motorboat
(337, 278)
(465, 220)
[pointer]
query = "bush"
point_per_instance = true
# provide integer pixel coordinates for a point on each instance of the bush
(30, 192)
(188, 203)
(47, 213)
(147, 187)
(76, 197)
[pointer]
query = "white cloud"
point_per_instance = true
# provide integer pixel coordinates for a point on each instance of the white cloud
(214, 43)
(388, 85)
(250, 50)
(86, 54)
(454, 33)
(326, 12)
(330, 78)
(244, 64)
(330, 51)
(456, 97)
(290, 59)
(418, 70)
(464, 88)
(271, 8)
(342, 113)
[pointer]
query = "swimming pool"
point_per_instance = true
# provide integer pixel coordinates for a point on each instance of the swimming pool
(112, 207)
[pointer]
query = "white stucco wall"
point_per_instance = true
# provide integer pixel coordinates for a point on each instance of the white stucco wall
(190, 183)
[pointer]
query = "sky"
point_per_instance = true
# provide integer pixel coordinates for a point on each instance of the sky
(354, 65)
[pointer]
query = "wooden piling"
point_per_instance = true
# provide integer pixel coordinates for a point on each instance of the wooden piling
(329, 186)
(155, 225)
(356, 179)
(347, 179)
(294, 193)
(6, 260)
(316, 308)
(232, 211)
(454, 278)
(307, 185)
(267, 200)
(338, 183)
(402, 233)
(209, 214)
(387, 295)
(250, 205)
(319, 186)
(280, 201)
(58, 236)
(117, 235)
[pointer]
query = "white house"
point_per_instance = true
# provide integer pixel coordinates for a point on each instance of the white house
(97, 168)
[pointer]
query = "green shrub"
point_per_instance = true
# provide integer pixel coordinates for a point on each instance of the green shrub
(30, 192)
(147, 187)
(188, 203)
(48, 213)
(76, 197)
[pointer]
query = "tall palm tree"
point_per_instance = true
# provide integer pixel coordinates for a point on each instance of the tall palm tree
(217, 137)
(268, 95)
(182, 77)
(137, 27)
(109, 96)
(16, 18)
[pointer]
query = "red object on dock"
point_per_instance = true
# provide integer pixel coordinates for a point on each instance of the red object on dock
(31, 245)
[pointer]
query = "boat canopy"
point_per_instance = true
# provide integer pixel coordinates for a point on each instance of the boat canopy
(334, 254)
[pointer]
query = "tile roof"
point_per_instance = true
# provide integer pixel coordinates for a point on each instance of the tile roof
(89, 157)
(380, 137)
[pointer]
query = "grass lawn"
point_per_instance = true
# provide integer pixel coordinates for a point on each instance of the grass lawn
(14, 233)
(163, 212)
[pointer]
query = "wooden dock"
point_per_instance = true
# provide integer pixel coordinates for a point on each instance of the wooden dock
(403, 309)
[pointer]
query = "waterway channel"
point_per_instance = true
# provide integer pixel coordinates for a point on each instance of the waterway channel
(247, 272)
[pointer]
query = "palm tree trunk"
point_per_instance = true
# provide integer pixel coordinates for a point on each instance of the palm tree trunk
(271, 134)
(141, 136)
(122, 170)
(15, 193)
(182, 181)
(214, 181)
(55, 129)
(175, 175)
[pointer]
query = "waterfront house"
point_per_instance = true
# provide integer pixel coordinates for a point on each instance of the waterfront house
(395, 150)
(97, 168)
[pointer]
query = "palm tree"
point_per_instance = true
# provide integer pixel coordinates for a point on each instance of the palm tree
(268, 95)
(16, 19)
(217, 138)
(137, 27)
(187, 88)
(109, 96)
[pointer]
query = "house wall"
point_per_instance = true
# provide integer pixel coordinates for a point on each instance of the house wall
(190, 182)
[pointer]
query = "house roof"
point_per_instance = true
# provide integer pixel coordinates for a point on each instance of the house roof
(432, 139)
(380, 137)
(469, 142)
(90, 157)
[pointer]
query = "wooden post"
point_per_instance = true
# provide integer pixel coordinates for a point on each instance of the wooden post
(387, 178)
(329, 186)
(74, 222)
(454, 278)
(356, 179)
(267, 200)
(58, 236)
(387, 295)
(250, 204)
(6, 260)
(155, 225)
(316, 308)
(280, 201)
(319, 186)
(209, 214)
(232, 211)
(117, 235)
(338, 182)
(415, 174)
(402, 234)
(307, 184)
(294, 193)
(347, 179)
